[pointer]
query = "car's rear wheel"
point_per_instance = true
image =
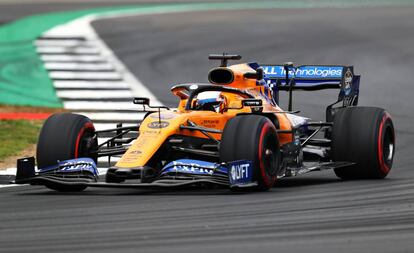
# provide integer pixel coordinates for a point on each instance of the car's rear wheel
(65, 136)
(364, 136)
(254, 138)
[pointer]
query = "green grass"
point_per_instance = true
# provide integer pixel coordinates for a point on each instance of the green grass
(16, 135)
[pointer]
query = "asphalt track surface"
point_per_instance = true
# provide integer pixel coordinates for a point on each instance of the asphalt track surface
(312, 213)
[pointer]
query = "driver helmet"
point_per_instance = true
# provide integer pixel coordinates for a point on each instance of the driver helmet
(211, 101)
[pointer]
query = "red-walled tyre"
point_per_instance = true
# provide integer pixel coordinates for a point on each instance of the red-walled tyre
(254, 138)
(65, 136)
(365, 136)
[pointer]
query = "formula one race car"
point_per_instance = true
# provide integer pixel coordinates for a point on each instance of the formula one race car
(230, 133)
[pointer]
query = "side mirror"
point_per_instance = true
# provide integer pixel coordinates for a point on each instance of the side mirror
(258, 75)
(146, 102)
(141, 101)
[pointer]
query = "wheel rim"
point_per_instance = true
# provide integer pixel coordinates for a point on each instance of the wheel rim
(86, 143)
(270, 158)
(388, 147)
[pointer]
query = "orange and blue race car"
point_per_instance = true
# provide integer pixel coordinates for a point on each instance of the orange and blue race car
(230, 132)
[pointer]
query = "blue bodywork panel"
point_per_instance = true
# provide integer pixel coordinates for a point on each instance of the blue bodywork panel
(72, 166)
(195, 167)
(238, 172)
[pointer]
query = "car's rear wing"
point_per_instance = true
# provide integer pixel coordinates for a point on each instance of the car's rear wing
(313, 77)
(310, 77)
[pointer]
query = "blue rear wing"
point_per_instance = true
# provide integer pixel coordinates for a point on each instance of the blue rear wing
(309, 77)
(314, 77)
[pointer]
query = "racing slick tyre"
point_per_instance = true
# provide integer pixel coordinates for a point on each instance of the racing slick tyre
(364, 136)
(65, 136)
(254, 138)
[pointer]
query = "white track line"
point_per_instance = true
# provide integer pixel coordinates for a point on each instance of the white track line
(89, 84)
(62, 43)
(12, 171)
(8, 171)
(72, 58)
(63, 50)
(103, 126)
(115, 116)
(9, 185)
(85, 94)
(105, 159)
(85, 75)
(98, 105)
(78, 66)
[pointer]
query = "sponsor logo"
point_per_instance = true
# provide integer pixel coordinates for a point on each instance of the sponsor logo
(304, 72)
(76, 166)
(163, 116)
(210, 123)
(348, 81)
(158, 124)
(135, 152)
(193, 87)
(252, 102)
(240, 172)
(151, 132)
(191, 168)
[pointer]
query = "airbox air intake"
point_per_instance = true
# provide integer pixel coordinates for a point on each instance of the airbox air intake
(221, 76)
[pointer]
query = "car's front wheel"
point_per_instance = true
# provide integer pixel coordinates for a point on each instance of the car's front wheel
(66, 136)
(254, 138)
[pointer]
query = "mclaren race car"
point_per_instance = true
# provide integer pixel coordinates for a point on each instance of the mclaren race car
(230, 132)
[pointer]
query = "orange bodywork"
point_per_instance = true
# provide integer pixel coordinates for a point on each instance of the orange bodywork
(155, 129)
